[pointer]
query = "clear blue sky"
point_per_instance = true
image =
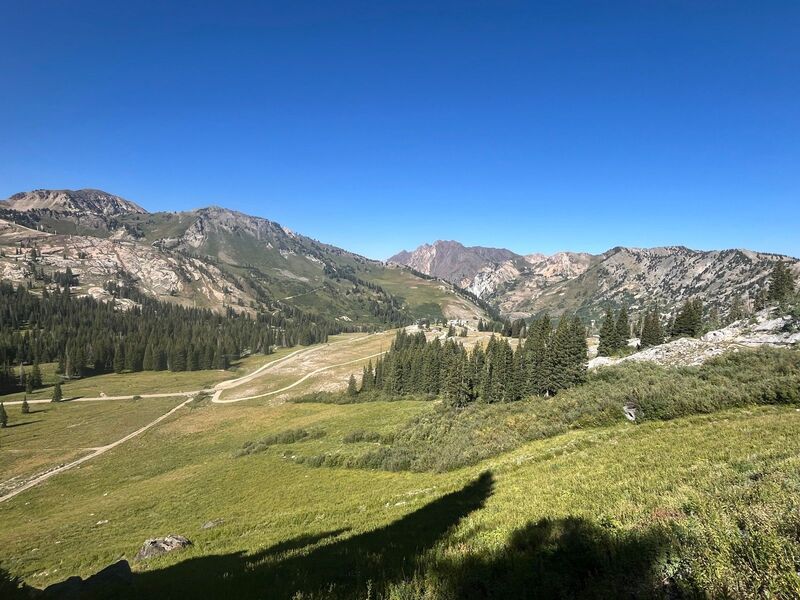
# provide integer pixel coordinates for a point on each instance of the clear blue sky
(535, 126)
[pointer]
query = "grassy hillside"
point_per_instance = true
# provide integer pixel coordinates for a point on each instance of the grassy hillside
(580, 509)
(689, 506)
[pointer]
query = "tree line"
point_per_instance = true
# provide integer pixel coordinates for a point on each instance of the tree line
(547, 360)
(84, 335)
(691, 319)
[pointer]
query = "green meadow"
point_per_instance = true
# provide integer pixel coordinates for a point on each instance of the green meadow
(700, 506)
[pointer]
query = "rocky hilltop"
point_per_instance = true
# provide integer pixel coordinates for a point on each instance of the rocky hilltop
(521, 286)
(87, 201)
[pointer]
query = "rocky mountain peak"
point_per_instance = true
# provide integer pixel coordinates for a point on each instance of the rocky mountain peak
(85, 201)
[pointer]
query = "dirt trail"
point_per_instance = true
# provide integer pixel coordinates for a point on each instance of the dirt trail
(95, 453)
(217, 392)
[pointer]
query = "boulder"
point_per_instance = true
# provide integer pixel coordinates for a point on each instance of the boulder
(158, 546)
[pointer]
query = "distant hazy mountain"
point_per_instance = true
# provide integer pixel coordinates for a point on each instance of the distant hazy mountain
(566, 281)
(211, 257)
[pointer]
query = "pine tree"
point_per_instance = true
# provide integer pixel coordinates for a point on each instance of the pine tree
(28, 385)
(36, 375)
(148, 364)
(623, 328)
(609, 339)
(689, 321)
(119, 358)
(367, 378)
(57, 393)
(26, 409)
(652, 332)
(351, 386)
(3, 416)
(781, 283)
(736, 311)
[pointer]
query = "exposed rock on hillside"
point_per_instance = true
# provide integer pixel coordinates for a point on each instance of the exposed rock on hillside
(762, 330)
(159, 546)
(579, 282)
(94, 202)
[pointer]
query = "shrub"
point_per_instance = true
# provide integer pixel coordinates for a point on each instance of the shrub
(284, 437)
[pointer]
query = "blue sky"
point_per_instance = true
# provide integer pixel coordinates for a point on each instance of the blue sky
(536, 126)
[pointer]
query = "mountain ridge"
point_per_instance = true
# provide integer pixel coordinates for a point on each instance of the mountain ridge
(526, 285)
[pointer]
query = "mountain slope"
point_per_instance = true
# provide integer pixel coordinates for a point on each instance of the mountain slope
(211, 257)
(578, 282)
(451, 260)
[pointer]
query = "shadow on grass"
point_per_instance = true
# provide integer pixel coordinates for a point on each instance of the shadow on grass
(344, 569)
(10, 425)
(564, 558)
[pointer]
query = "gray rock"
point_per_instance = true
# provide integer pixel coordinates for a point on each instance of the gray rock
(158, 546)
(211, 524)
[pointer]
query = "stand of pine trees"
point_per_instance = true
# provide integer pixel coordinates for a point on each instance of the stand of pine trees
(84, 335)
(614, 332)
(652, 331)
(548, 360)
(689, 320)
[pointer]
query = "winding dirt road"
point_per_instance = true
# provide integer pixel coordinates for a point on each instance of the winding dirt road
(217, 391)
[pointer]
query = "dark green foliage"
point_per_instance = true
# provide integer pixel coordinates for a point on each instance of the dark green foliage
(610, 340)
(689, 320)
(652, 332)
(84, 335)
(446, 438)
(360, 435)
(352, 390)
(623, 327)
(58, 395)
(284, 437)
(781, 283)
(36, 376)
(26, 409)
(546, 362)
(736, 311)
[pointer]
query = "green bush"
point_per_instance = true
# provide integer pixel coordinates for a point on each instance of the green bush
(284, 437)
(447, 438)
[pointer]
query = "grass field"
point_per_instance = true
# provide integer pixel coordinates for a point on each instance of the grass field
(145, 382)
(702, 502)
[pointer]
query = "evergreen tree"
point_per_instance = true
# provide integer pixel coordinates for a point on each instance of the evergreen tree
(760, 299)
(781, 283)
(609, 338)
(119, 358)
(351, 386)
(3, 416)
(623, 327)
(736, 311)
(26, 409)
(148, 364)
(28, 385)
(652, 332)
(689, 321)
(57, 393)
(367, 378)
(36, 375)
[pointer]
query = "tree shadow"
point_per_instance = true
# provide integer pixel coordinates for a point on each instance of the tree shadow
(10, 425)
(345, 568)
(571, 558)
